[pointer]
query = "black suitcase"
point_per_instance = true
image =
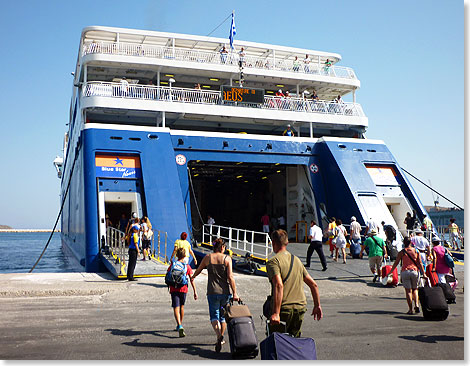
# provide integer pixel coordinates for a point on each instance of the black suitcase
(433, 303)
(448, 292)
(242, 337)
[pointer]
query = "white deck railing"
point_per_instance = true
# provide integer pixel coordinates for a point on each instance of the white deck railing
(240, 241)
(199, 56)
(182, 95)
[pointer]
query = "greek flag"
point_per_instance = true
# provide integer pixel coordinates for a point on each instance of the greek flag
(233, 31)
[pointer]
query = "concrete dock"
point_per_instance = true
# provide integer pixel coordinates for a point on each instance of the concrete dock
(94, 316)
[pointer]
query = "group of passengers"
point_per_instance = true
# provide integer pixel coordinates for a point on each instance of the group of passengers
(418, 258)
(288, 307)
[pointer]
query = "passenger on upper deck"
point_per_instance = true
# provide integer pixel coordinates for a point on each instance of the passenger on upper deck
(241, 58)
(288, 131)
(327, 66)
(306, 63)
(223, 55)
(315, 96)
(296, 64)
(124, 87)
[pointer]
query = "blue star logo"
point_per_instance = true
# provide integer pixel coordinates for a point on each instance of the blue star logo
(118, 161)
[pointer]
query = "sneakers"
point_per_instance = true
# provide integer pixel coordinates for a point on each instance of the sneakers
(324, 269)
(180, 330)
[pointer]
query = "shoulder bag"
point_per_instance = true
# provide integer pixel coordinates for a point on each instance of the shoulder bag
(267, 303)
(449, 260)
(380, 246)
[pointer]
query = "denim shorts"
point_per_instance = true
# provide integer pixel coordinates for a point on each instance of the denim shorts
(216, 306)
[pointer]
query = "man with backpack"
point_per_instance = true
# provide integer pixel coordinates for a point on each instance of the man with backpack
(177, 280)
(377, 250)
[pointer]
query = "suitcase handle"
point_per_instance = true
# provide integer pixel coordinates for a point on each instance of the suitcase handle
(240, 302)
(281, 322)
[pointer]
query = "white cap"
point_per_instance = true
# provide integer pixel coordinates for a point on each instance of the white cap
(353, 218)
(134, 215)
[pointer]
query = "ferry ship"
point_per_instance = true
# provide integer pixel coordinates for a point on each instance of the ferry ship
(177, 127)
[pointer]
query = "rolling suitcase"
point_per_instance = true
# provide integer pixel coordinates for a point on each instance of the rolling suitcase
(392, 279)
(242, 337)
(282, 346)
(452, 281)
(448, 292)
(433, 302)
(431, 274)
(355, 249)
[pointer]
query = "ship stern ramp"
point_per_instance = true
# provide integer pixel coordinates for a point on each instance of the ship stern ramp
(363, 179)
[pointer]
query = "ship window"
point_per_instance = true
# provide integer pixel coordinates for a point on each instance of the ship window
(357, 149)
(371, 150)
(134, 138)
(116, 138)
(152, 137)
(341, 146)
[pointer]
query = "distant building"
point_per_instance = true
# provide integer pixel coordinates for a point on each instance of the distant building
(440, 216)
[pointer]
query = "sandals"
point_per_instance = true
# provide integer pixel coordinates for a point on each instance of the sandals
(218, 345)
(409, 312)
(416, 309)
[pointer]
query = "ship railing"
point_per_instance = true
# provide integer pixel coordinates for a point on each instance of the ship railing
(217, 58)
(207, 97)
(115, 239)
(159, 245)
(240, 241)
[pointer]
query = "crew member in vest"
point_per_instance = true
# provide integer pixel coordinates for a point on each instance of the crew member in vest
(133, 252)
(377, 250)
(183, 243)
(315, 236)
(287, 276)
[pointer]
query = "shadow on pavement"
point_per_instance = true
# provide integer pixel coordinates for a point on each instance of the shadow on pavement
(133, 333)
(192, 349)
(432, 339)
(156, 285)
(415, 317)
(370, 312)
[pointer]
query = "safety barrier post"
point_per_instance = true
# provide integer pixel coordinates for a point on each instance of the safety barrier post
(166, 239)
(266, 246)
(158, 244)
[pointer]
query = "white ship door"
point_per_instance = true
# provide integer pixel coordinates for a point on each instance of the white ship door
(300, 201)
(107, 203)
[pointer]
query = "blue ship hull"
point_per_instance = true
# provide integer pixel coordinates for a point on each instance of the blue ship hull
(337, 168)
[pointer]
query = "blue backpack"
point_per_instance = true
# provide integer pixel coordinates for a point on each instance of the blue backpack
(177, 275)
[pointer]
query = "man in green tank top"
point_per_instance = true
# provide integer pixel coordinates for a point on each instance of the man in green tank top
(289, 303)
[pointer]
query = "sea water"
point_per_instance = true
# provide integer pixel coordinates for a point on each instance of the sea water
(19, 252)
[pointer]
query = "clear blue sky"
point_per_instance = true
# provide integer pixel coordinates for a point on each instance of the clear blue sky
(409, 56)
